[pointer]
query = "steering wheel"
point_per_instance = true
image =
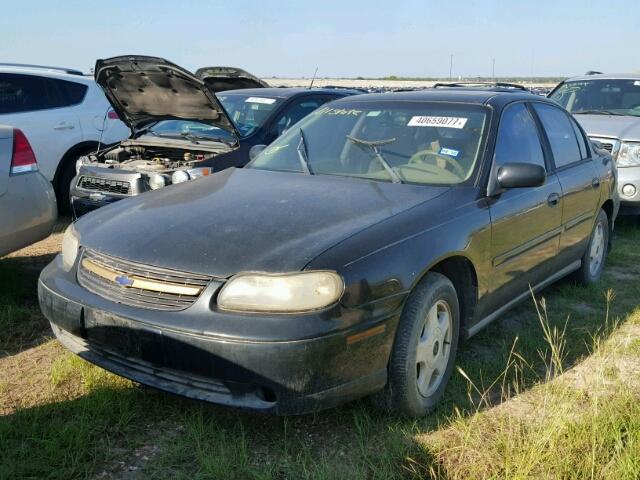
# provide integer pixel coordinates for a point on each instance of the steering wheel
(420, 157)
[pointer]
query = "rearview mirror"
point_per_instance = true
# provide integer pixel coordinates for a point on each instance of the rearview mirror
(255, 151)
(521, 175)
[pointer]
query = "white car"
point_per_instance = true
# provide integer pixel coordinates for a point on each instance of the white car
(63, 113)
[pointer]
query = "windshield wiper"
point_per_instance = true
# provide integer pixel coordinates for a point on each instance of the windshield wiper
(302, 154)
(596, 112)
(375, 146)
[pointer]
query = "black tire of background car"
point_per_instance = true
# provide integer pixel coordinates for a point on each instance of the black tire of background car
(583, 275)
(63, 183)
(401, 395)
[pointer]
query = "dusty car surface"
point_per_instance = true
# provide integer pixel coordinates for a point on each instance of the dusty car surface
(27, 200)
(176, 139)
(348, 258)
(608, 108)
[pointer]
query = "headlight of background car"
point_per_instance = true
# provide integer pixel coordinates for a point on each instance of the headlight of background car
(156, 181)
(629, 155)
(80, 162)
(281, 293)
(70, 246)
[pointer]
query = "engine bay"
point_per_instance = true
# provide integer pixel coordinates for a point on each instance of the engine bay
(145, 159)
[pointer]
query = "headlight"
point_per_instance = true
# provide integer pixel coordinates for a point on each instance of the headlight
(156, 181)
(284, 293)
(179, 176)
(70, 245)
(629, 155)
(80, 162)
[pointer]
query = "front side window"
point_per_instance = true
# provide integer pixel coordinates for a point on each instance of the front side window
(248, 112)
(518, 140)
(598, 96)
(412, 142)
(296, 111)
(561, 135)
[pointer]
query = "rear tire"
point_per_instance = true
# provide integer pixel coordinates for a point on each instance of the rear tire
(596, 252)
(424, 350)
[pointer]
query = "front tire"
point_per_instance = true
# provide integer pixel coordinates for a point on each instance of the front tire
(425, 347)
(596, 252)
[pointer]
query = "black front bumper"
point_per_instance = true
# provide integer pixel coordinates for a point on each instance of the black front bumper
(282, 377)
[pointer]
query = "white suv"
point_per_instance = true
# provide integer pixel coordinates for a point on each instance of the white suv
(63, 113)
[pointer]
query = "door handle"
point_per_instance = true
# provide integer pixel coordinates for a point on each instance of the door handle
(64, 126)
(553, 199)
(595, 183)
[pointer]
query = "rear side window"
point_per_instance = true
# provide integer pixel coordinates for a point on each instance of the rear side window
(518, 140)
(582, 143)
(26, 93)
(561, 134)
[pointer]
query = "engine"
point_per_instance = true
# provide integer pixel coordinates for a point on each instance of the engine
(151, 159)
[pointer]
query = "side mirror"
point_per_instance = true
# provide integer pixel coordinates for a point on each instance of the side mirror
(521, 175)
(255, 151)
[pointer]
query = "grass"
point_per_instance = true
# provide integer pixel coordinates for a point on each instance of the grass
(542, 393)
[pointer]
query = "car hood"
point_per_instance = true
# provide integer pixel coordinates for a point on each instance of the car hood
(143, 90)
(219, 79)
(611, 126)
(244, 219)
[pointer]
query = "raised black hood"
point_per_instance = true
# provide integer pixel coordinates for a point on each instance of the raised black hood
(244, 219)
(144, 89)
(219, 79)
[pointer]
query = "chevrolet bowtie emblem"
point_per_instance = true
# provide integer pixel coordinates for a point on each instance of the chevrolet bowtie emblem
(124, 281)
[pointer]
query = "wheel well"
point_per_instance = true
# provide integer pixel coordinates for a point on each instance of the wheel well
(462, 274)
(70, 154)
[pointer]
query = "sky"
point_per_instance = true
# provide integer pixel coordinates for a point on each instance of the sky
(344, 38)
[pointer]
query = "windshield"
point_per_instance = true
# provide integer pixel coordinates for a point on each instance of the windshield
(248, 112)
(606, 97)
(424, 143)
(190, 130)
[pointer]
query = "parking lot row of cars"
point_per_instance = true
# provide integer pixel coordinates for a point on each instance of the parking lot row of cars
(364, 236)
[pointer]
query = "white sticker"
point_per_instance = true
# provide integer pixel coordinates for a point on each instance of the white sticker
(374, 113)
(636, 83)
(266, 101)
(449, 151)
(445, 122)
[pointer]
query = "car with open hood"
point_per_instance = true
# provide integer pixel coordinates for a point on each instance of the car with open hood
(184, 125)
(348, 258)
(607, 106)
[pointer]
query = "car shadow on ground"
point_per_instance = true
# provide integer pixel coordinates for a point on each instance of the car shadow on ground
(119, 419)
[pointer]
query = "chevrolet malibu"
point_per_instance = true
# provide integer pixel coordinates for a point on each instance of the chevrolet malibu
(350, 257)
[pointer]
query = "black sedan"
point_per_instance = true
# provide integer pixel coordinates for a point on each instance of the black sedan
(348, 259)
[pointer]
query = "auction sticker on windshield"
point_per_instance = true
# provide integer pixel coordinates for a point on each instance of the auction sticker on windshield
(430, 121)
(266, 101)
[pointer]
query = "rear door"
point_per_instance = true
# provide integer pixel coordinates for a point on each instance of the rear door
(577, 175)
(525, 222)
(37, 106)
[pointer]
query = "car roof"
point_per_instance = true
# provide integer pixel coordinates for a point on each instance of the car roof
(605, 76)
(453, 94)
(43, 71)
(288, 92)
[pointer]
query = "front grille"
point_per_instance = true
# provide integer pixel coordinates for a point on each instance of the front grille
(116, 280)
(104, 185)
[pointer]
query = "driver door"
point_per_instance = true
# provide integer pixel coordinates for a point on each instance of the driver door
(525, 222)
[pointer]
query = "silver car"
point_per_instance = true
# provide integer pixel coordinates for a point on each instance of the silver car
(608, 108)
(27, 202)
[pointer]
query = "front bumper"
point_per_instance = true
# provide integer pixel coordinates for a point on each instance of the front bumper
(629, 204)
(282, 376)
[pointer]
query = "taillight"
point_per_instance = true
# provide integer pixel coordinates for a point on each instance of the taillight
(23, 159)
(112, 115)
